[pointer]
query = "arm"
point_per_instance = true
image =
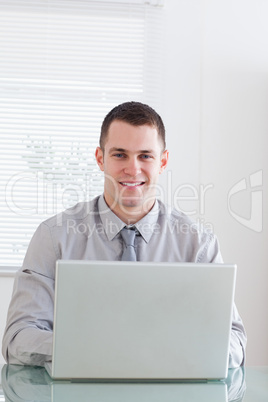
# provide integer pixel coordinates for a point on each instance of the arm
(238, 341)
(210, 252)
(28, 334)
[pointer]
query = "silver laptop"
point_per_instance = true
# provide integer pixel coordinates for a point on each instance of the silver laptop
(141, 321)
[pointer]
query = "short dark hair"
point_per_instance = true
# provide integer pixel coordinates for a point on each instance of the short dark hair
(136, 114)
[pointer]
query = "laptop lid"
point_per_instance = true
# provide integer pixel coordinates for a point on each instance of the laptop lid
(125, 320)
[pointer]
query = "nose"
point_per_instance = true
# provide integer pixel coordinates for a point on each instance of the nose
(132, 167)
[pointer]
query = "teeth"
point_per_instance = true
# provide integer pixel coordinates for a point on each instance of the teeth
(132, 184)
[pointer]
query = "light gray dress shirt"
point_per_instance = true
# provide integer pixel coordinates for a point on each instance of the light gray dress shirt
(91, 231)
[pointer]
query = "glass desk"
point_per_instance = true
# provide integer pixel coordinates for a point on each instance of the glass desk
(24, 383)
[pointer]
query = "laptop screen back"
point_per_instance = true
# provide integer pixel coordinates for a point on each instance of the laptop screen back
(124, 320)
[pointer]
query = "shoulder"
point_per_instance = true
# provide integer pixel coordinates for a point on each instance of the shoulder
(78, 213)
(176, 218)
(195, 241)
(58, 236)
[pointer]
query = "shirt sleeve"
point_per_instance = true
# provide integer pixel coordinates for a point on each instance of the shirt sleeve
(210, 252)
(238, 341)
(28, 335)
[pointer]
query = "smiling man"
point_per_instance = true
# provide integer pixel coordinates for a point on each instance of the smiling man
(131, 157)
(132, 154)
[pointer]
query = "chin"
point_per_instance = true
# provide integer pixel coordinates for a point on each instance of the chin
(136, 206)
(132, 204)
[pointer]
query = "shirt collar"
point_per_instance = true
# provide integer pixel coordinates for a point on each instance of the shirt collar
(113, 225)
(147, 225)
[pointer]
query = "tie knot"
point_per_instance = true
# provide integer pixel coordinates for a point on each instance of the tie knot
(128, 235)
(129, 253)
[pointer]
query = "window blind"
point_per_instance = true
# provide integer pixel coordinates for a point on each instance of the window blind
(63, 65)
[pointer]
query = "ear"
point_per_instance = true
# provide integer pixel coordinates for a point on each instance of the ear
(99, 158)
(164, 161)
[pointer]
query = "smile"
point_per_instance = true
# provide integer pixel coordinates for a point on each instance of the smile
(130, 184)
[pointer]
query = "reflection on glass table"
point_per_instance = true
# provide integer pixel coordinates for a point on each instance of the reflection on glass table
(25, 383)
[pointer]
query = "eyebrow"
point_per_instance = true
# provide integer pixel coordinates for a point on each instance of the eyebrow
(142, 151)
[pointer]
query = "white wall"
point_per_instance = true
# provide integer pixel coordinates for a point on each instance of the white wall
(216, 115)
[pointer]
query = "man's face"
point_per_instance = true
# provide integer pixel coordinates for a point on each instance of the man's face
(132, 161)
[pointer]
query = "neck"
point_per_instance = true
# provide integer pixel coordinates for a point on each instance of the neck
(130, 215)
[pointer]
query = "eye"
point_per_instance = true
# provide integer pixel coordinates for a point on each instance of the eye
(146, 156)
(119, 155)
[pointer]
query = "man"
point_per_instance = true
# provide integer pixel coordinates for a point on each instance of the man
(131, 154)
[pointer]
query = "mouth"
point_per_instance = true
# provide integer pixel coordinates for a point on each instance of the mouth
(132, 184)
